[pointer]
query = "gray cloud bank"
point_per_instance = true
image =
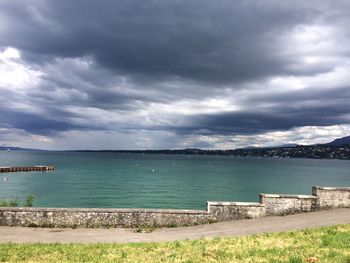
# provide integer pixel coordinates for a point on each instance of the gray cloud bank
(204, 68)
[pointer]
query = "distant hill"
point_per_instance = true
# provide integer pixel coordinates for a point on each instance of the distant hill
(340, 141)
(337, 149)
(4, 148)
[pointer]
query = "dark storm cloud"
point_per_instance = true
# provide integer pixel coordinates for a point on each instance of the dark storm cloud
(285, 114)
(104, 62)
(338, 95)
(34, 123)
(217, 41)
(255, 123)
(51, 119)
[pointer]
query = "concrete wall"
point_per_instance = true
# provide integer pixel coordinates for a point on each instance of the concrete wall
(284, 204)
(331, 197)
(270, 204)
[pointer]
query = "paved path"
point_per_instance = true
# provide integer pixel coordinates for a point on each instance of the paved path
(233, 228)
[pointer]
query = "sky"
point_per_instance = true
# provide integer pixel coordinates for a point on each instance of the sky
(135, 74)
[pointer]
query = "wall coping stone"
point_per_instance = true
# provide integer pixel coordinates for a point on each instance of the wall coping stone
(220, 203)
(103, 210)
(332, 188)
(289, 196)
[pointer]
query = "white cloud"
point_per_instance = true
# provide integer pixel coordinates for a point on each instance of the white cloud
(14, 74)
(303, 135)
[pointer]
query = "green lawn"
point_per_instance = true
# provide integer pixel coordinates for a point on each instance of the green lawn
(329, 244)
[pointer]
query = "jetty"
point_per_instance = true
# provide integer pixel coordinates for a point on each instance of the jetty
(42, 168)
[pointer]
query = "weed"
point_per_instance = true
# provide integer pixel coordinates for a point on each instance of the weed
(29, 200)
(16, 202)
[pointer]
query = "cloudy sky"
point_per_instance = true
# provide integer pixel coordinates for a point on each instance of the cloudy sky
(135, 74)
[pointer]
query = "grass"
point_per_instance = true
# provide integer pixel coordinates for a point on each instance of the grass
(328, 244)
(28, 202)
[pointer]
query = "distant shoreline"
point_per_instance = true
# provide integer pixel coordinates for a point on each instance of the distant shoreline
(319, 151)
(312, 152)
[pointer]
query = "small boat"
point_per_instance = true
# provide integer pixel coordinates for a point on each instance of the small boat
(8, 150)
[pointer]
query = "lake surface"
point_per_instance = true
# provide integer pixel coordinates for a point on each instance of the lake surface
(161, 181)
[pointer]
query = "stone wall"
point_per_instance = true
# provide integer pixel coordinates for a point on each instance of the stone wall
(332, 197)
(96, 217)
(73, 217)
(226, 211)
(270, 204)
(283, 204)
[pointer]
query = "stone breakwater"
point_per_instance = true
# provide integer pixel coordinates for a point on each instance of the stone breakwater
(42, 168)
(270, 204)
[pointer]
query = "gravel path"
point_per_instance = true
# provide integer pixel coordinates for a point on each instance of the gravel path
(121, 235)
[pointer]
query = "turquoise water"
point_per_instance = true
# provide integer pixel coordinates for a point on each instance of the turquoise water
(161, 181)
